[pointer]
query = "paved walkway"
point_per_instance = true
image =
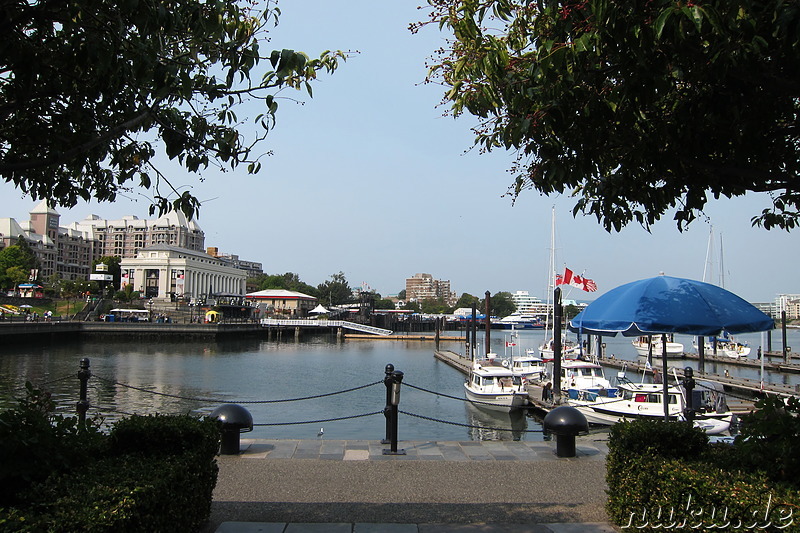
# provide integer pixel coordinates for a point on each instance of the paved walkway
(307, 486)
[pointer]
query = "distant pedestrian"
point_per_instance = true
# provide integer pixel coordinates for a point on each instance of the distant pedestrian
(656, 376)
(547, 392)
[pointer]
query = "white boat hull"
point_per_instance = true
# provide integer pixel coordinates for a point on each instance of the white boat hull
(497, 401)
(674, 349)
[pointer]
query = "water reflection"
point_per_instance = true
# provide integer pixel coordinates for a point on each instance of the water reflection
(497, 425)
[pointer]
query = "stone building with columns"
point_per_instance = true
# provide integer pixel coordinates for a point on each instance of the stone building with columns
(165, 272)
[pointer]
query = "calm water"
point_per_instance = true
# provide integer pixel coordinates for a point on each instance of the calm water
(204, 375)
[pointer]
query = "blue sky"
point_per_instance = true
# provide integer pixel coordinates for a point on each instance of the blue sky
(367, 177)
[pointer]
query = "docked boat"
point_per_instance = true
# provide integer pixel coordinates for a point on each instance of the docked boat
(646, 400)
(529, 367)
(518, 320)
(492, 385)
(582, 378)
(642, 345)
(570, 349)
(725, 346)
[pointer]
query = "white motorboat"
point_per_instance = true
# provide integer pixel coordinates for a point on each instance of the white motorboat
(579, 378)
(517, 320)
(725, 346)
(493, 385)
(529, 367)
(642, 345)
(646, 400)
(569, 349)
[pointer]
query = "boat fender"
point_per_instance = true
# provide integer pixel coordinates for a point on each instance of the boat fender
(505, 364)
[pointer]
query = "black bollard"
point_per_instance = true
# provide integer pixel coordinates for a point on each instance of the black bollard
(565, 423)
(688, 384)
(83, 403)
(234, 420)
(392, 409)
(387, 380)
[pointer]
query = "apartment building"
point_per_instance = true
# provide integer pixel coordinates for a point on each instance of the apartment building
(65, 251)
(251, 267)
(425, 287)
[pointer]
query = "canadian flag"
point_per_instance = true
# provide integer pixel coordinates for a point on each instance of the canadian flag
(570, 278)
(510, 343)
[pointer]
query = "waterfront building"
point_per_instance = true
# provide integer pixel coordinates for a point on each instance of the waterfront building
(68, 251)
(65, 251)
(167, 272)
(294, 304)
(252, 268)
(530, 305)
(789, 303)
(425, 287)
(128, 235)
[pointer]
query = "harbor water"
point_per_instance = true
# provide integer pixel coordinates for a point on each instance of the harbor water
(186, 377)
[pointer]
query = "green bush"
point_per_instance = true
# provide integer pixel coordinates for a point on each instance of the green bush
(35, 443)
(769, 440)
(78, 479)
(665, 475)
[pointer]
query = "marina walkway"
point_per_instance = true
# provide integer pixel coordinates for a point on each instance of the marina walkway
(303, 486)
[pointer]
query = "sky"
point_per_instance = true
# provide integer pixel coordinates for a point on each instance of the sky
(369, 178)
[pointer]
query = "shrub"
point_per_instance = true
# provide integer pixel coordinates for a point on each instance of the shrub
(769, 440)
(59, 477)
(665, 475)
(35, 443)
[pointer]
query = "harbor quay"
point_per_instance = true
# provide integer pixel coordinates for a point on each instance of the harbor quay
(286, 485)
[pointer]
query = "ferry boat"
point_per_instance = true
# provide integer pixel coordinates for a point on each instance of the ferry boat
(494, 386)
(646, 400)
(517, 320)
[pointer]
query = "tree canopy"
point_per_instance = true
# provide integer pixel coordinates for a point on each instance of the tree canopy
(16, 263)
(91, 91)
(634, 108)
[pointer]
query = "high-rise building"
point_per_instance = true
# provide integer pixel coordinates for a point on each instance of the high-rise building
(424, 287)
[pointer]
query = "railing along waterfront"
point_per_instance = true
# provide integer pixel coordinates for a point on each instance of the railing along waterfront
(84, 405)
(267, 322)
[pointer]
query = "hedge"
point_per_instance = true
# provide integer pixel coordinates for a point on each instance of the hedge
(154, 473)
(665, 475)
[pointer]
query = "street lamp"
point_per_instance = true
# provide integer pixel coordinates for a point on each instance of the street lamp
(150, 304)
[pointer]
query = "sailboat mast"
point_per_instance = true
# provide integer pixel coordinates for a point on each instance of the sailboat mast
(551, 275)
(708, 268)
(721, 264)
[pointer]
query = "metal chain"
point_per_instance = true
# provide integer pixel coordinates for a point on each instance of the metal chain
(319, 421)
(476, 402)
(469, 425)
(40, 385)
(140, 389)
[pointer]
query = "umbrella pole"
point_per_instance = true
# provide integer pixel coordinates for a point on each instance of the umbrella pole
(664, 373)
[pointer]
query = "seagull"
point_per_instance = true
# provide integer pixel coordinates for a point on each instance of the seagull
(321, 431)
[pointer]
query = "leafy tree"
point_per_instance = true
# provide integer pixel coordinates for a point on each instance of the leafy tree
(335, 291)
(112, 262)
(466, 300)
(18, 256)
(634, 108)
(434, 306)
(500, 304)
(127, 294)
(413, 306)
(90, 92)
(401, 295)
(289, 281)
(384, 303)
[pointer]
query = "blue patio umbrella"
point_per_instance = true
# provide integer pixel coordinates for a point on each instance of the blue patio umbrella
(665, 304)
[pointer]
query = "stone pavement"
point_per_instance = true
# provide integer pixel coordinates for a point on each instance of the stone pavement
(308, 486)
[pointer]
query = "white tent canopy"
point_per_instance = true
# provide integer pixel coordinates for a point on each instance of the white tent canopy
(319, 310)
